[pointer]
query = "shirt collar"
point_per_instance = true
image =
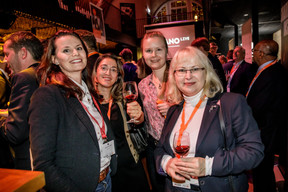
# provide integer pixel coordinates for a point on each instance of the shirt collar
(263, 65)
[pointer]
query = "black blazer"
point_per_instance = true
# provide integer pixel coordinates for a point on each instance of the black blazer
(63, 141)
(269, 103)
(16, 128)
(217, 66)
(243, 140)
(242, 78)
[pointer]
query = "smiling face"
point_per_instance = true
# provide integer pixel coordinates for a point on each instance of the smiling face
(154, 52)
(190, 83)
(70, 56)
(106, 74)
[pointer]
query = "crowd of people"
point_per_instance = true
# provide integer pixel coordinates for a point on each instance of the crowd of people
(63, 112)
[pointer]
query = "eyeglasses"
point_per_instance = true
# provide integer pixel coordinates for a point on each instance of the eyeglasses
(105, 69)
(182, 72)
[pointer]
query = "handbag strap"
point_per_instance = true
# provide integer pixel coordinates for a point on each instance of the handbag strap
(223, 130)
(127, 134)
(222, 125)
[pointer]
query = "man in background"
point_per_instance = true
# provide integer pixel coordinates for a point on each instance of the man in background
(23, 52)
(267, 97)
(241, 73)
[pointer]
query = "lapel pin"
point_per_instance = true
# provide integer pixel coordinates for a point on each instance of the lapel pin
(212, 108)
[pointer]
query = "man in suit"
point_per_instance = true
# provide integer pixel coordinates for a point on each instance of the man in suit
(23, 52)
(241, 73)
(202, 43)
(267, 96)
(91, 45)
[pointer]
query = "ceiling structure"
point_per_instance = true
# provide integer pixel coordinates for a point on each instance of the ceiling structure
(226, 14)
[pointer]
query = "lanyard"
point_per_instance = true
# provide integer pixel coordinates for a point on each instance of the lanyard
(109, 108)
(259, 72)
(102, 128)
(234, 68)
(183, 124)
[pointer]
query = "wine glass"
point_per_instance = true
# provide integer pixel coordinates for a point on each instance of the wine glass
(130, 94)
(181, 145)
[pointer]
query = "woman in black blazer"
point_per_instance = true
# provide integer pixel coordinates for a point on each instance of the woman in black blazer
(70, 137)
(207, 166)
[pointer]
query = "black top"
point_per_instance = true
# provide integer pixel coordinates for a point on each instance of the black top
(130, 176)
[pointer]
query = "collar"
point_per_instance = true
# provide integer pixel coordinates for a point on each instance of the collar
(238, 63)
(263, 65)
(193, 100)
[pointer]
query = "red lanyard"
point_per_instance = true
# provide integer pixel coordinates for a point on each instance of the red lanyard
(183, 124)
(259, 72)
(102, 128)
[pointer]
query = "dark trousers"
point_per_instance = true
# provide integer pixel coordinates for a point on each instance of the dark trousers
(157, 180)
(263, 175)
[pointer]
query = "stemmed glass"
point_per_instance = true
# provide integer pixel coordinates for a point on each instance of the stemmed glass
(130, 94)
(181, 145)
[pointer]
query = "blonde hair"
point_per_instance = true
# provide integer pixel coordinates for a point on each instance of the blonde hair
(212, 83)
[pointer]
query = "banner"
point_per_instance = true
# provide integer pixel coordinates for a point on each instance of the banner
(98, 25)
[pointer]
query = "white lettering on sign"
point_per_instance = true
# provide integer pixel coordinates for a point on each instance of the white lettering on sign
(177, 40)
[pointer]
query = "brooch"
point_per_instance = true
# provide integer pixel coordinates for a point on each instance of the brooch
(212, 108)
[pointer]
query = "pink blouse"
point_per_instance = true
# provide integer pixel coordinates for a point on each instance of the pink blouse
(153, 119)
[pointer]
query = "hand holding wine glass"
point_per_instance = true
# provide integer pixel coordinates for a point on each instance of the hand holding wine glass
(130, 93)
(181, 144)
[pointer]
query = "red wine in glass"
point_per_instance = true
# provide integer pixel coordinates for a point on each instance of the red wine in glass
(130, 98)
(182, 150)
(130, 94)
(181, 145)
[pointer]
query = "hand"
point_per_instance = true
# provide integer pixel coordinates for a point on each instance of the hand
(193, 166)
(173, 170)
(163, 107)
(134, 111)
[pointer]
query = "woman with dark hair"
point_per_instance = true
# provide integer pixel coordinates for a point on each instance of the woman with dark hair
(70, 137)
(108, 78)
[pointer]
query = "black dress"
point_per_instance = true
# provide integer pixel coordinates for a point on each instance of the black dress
(130, 176)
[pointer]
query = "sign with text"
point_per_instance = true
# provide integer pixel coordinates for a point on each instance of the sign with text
(179, 36)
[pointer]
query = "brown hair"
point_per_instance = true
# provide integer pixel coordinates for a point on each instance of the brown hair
(116, 91)
(50, 73)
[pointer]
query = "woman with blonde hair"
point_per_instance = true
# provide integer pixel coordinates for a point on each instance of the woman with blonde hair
(215, 160)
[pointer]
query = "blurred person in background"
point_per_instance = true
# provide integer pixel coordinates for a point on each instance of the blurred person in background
(23, 52)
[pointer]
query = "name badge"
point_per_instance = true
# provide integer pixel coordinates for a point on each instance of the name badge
(185, 184)
(108, 149)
